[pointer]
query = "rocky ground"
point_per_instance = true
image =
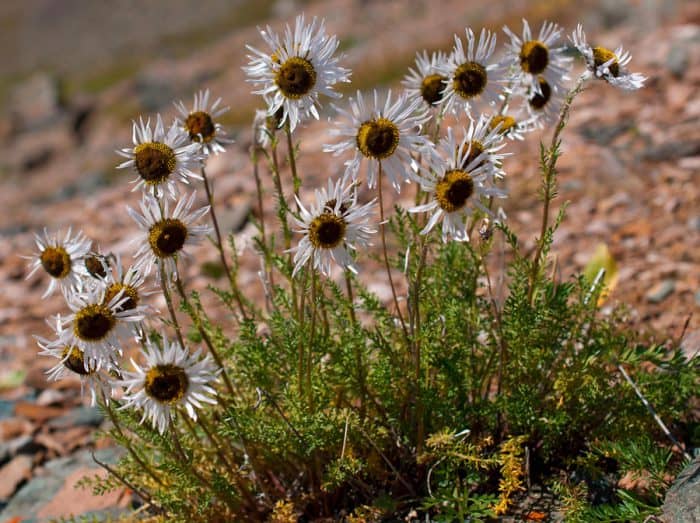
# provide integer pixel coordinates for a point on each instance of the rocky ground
(630, 168)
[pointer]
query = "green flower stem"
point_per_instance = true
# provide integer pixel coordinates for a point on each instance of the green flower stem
(205, 336)
(292, 159)
(169, 303)
(220, 246)
(127, 441)
(549, 180)
(382, 227)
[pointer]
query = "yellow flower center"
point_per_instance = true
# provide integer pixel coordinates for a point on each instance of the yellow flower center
(539, 100)
(431, 88)
(378, 138)
(534, 57)
(93, 322)
(95, 265)
(130, 293)
(167, 237)
(475, 148)
(155, 161)
(295, 77)
(56, 261)
(453, 191)
(330, 206)
(166, 383)
(327, 231)
(601, 56)
(74, 360)
(507, 123)
(470, 80)
(200, 126)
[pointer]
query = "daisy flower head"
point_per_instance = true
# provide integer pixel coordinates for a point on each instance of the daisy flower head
(298, 67)
(167, 233)
(198, 123)
(72, 363)
(265, 127)
(427, 80)
(334, 224)
(481, 148)
(160, 157)
(531, 58)
(512, 125)
(97, 323)
(544, 105)
(172, 377)
(473, 75)
(456, 186)
(384, 131)
(62, 258)
(606, 64)
(128, 282)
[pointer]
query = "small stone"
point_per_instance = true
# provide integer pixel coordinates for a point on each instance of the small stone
(81, 416)
(36, 412)
(682, 501)
(15, 446)
(14, 473)
(233, 219)
(661, 291)
(697, 297)
(694, 223)
(677, 59)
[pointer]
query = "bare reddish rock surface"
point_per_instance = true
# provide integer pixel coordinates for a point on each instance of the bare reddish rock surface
(630, 170)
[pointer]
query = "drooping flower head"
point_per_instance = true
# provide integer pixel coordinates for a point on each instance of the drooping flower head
(160, 157)
(482, 147)
(456, 186)
(427, 81)
(172, 377)
(61, 258)
(473, 75)
(166, 233)
(97, 324)
(129, 282)
(383, 131)
(513, 126)
(72, 363)
(534, 58)
(544, 104)
(606, 64)
(334, 224)
(200, 125)
(298, 67)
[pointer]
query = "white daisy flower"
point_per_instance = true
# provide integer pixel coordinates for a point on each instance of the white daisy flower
(608, 65)
(545, 104)
(427, 80)
(298, 67)
(159, 157)
(171, 378)
(198, 123)
(331, 226)
(265, 127)
(72, 363)
(457, 186)
(128, 282)
(385, 132)
(167, 234)
(531, 58)
(481, 148)
(511, 125)
(61, 258)
(472, 75)
(97, 323)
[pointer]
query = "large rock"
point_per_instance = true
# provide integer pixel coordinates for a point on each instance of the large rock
(682, 503)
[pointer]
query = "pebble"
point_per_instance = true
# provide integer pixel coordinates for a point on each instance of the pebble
(11, 448)
(81, 416)
(682, 501)
(661, 291)
(14, 473)
(677, 59)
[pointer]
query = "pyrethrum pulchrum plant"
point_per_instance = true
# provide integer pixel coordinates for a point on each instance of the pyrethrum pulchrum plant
(449, 402)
